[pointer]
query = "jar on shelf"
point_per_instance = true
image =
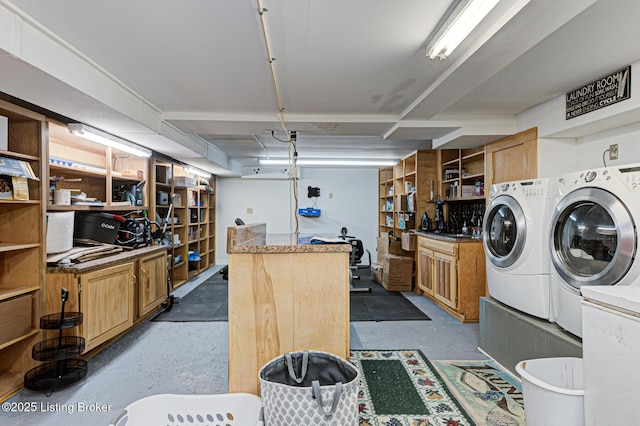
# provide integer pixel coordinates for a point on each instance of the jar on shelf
(479, 189)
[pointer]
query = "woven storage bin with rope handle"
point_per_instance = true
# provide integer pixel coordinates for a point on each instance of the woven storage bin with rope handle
(309, 388)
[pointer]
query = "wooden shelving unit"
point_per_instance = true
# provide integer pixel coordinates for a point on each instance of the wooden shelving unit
(22, 253)
(96, 170)
(462, 178)
(192, 226)
(385, 200)
(412, 177)
(469, 164)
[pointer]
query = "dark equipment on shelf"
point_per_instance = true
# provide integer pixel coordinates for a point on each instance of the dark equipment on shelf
(440, 227)
(101, 227)
(425, 224)
(134, 233)
(61, 368)
(130, 193)
(355, 259)
(313, 191)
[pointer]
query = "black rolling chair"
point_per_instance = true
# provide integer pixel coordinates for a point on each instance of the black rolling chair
(355, 260)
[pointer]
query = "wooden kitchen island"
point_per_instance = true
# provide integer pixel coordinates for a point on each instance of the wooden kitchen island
(283, 296)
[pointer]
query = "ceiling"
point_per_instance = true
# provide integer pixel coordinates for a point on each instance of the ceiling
(193, 79)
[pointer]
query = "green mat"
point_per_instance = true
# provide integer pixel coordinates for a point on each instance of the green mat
(404, 388)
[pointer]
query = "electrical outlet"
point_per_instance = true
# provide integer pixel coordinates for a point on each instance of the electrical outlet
(249, 210)
(613, 151)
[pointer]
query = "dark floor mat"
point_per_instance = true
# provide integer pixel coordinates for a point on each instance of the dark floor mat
(206, 302)
(380, 304)
(209, 302)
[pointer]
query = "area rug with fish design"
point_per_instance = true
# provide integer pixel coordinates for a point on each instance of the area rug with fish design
(490, 394)
(404, 388)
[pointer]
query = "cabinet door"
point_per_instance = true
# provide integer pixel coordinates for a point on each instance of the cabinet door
(106, 301)
(445, 279)
(512, 158)
(425, 270)
(152, 282)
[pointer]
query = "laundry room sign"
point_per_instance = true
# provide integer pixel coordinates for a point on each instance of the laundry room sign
(600, 93)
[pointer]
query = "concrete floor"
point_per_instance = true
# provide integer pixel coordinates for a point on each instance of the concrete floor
(191, 358)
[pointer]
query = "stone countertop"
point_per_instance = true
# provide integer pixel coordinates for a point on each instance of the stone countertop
(285, 243)
(453, 238)
(108, 260)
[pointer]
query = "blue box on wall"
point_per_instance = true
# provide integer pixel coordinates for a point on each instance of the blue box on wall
(309, 212)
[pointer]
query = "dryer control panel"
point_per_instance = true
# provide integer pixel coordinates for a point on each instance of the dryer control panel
(631, 177)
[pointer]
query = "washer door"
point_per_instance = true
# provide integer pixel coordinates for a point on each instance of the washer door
(593, 238)
(505, 231)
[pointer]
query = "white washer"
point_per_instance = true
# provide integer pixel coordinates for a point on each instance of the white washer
(593, 238)
(515, 229)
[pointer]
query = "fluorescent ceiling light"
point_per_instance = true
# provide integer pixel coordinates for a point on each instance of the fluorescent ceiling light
(463, 19)
(328, 162)
(193, 170)
(107, 139)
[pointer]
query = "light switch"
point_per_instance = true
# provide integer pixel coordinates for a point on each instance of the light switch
(330, 195)
(249, 210)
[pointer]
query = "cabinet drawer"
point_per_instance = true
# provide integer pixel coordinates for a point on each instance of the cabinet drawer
(437, 245)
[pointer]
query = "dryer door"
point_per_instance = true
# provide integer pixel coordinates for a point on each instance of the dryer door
(505, 231)
(593, 239)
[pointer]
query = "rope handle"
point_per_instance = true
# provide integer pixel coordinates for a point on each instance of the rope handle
(305, 364)
(318, 396)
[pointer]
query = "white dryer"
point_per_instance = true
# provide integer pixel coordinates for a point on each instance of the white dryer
(515, 233)
(593, 237)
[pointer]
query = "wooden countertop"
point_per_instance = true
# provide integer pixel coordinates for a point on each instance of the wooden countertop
(254, 239)
(102, 262)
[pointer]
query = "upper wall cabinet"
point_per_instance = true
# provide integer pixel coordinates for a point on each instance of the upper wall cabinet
(98, 177)
(513, 158)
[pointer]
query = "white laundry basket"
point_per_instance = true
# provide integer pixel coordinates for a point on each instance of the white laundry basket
(553, 391)
(233, 409)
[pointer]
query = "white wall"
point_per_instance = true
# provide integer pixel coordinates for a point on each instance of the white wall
(578, 144)
(591, 148)
(559, 156)
(348, 197)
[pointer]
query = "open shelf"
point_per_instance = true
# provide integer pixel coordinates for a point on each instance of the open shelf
(9, 292)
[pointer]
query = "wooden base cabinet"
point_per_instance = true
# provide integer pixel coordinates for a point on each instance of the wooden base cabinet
(152, 288)
(452, 274)
(113, 297)
(104, 297)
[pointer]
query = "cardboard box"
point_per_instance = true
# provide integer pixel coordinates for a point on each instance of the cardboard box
(401, 203)
(409, 241)
(4, 133)
(407, 220)
(184, 182)
(376, 273)
(16, 318)
(386, 247)
(163, 174)
(397, 273)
